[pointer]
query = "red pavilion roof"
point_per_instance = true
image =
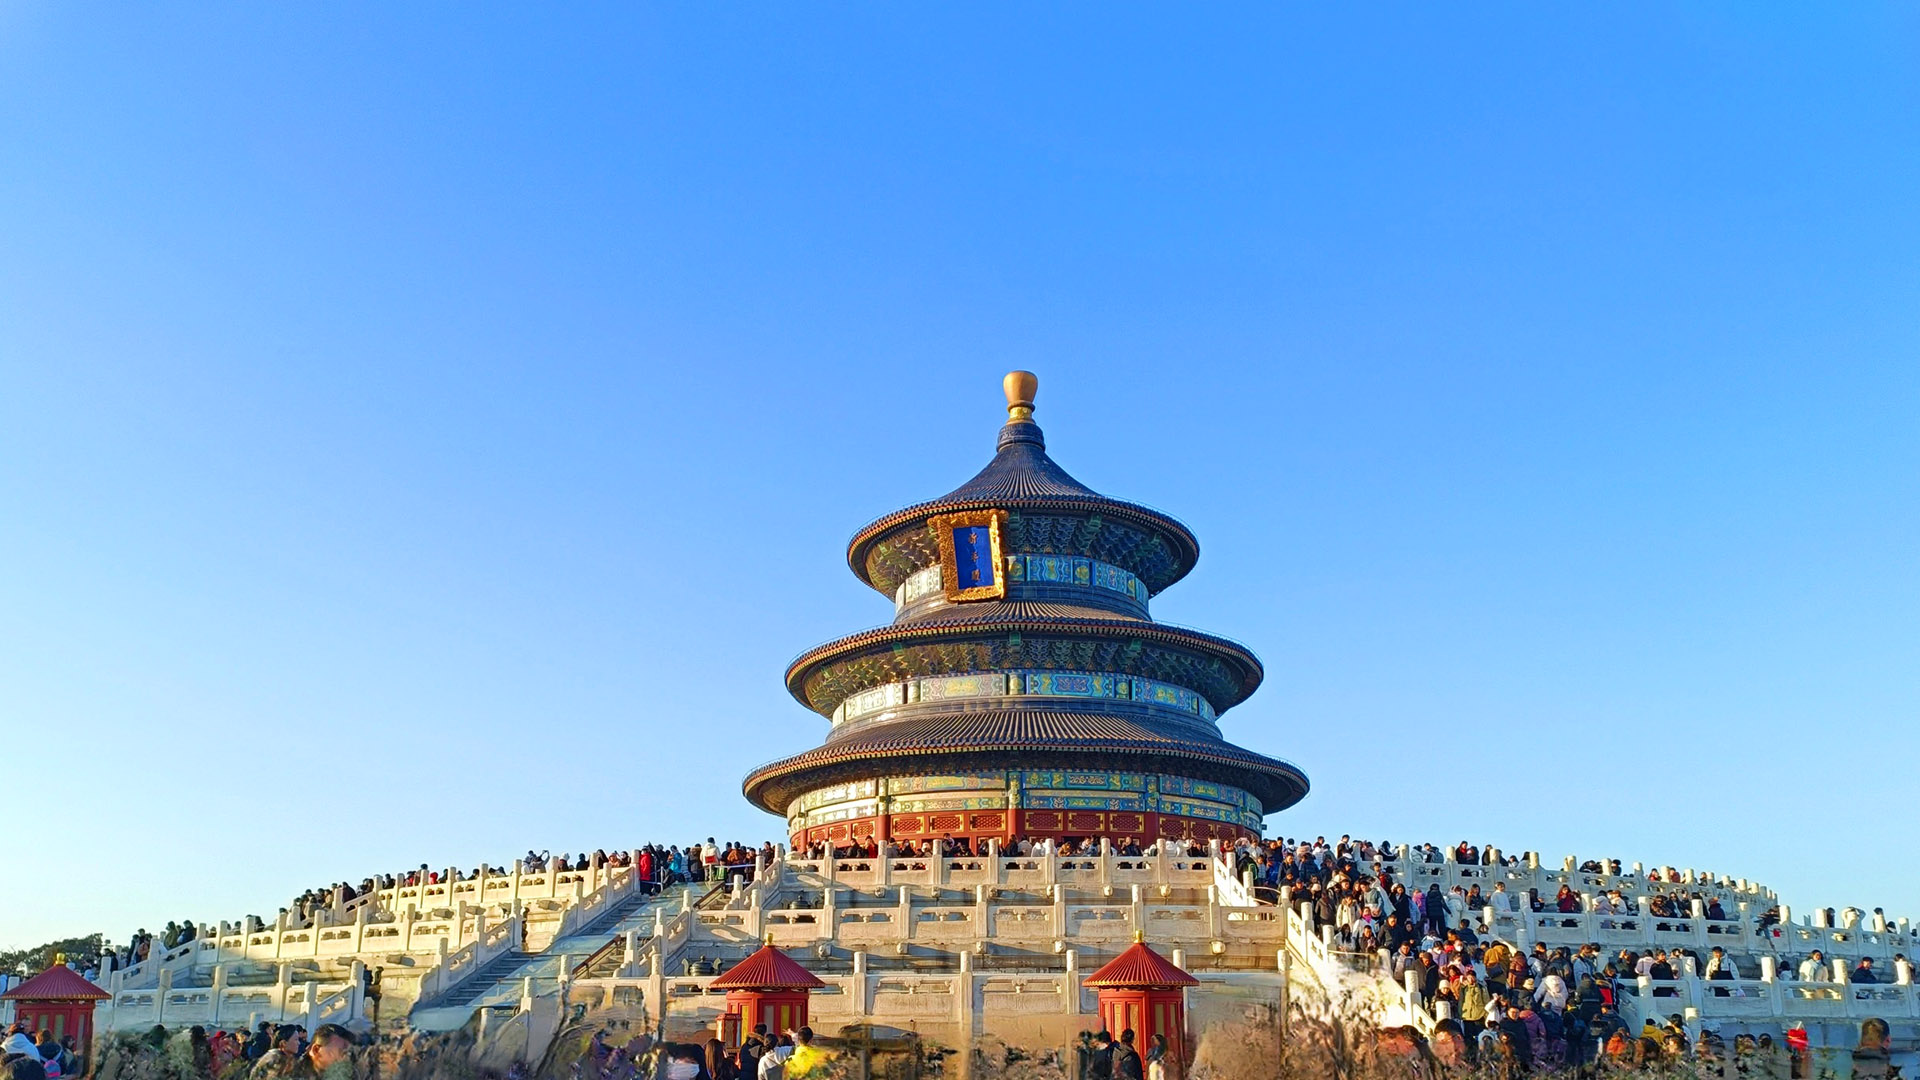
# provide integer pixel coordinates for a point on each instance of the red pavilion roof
(768, 969)
(1139, 967)
(57, 983)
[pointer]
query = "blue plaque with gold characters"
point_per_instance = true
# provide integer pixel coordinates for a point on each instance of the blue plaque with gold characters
(970, 560)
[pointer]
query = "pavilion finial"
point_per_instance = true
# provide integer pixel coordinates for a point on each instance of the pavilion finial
(1020, 387)
(1139, 937)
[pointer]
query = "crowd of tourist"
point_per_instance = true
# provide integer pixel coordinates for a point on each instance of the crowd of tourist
(140, 945)
(1516, 1012)
(761, 1055)
(1358, 872)
(287, 1050)
(660, 866)
(25, 1054)
(1105, 1057)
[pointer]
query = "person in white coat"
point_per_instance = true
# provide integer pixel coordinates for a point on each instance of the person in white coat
(1814, 968)
(1551, 992)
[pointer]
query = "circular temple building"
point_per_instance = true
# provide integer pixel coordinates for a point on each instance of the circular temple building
(1023, 689)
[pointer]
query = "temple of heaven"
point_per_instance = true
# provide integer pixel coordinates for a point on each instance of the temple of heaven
(1022, 689)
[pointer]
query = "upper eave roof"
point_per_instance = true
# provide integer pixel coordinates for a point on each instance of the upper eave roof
(1022, 477)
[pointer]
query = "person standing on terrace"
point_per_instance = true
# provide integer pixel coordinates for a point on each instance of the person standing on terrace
(1814, 967)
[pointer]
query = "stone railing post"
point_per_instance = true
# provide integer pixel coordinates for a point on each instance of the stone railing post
(829, 913)
(630, 956)
(1059, 910)
(1070, 983)
(862, 991)
(218, 993)
(161, 988)
(656, 991)
(963, 996)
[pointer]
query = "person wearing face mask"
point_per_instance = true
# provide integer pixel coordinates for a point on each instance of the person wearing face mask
(683, 1063)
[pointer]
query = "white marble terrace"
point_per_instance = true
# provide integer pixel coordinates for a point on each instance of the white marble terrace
(949, 939)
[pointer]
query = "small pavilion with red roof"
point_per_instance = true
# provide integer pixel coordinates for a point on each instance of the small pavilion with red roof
(57, 1000)
(765, 988)
(1143, 991)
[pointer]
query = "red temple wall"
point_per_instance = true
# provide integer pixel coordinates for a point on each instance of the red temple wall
(1005, 825)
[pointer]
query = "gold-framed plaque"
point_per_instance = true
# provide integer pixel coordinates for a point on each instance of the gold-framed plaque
(971, 566)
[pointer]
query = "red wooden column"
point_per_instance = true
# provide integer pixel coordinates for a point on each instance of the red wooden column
(1142, 991)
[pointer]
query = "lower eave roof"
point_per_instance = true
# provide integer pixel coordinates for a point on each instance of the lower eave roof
(923, 743)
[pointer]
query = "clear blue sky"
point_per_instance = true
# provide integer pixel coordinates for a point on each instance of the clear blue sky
(427, 431)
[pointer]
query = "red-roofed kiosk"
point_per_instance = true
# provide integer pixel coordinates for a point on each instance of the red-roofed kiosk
(57, 1000)
(1141, 990)
(765, 988)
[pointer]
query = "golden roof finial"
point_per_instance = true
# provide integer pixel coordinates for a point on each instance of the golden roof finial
(1139, 937)
(1020, 387)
